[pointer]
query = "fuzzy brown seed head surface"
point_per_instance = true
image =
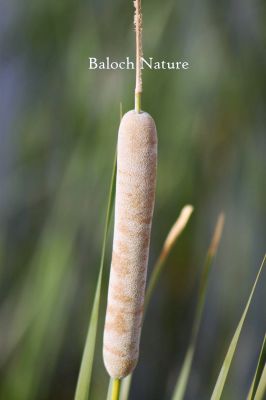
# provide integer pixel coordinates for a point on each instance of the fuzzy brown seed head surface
(135, 194)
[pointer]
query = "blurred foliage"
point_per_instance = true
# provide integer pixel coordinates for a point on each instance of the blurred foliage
(58, 135)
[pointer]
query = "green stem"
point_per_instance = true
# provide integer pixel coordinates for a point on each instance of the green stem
(138, 102)
(116, 389)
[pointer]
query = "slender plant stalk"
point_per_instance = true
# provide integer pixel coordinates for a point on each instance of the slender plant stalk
(218, 389)
(261, 390)
(125, 387)
(259, 370)
(170, 240)
(116, 389)
(139, 54)
(84, 379)
(138, 102)
(186, 367)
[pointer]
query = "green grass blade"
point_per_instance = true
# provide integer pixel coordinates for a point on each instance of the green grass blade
(109, 391)
(125, 387)
(218, 389)
(261, 391)
(186, 367)
(259, 370)
(170, 241)
(84, 379)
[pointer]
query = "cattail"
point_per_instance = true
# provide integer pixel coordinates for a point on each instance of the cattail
(135, 190)
(135, 193)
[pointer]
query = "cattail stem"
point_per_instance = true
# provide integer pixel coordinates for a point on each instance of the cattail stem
(138, 102)
(116, 389)
(139, 54)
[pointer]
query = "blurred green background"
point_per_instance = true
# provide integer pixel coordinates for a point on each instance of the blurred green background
(58, 134)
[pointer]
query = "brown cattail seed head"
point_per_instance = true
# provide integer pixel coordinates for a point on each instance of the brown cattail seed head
(135, 193)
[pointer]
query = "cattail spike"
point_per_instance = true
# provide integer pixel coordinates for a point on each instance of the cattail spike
(135, 194)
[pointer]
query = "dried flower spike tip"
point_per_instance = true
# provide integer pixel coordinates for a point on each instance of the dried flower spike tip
(139, 50)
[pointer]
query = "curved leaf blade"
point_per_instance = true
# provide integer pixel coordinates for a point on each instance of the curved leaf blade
(259, 371)
(182, 381)
(261, 391)
(218, 389)
(84, 379)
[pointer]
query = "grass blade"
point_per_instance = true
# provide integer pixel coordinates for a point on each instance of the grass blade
(84, 379)
(125, 387)
(259, 370)
(186, 367)
(261, 391)
(170, 240)
(109, 391)
(218, 389)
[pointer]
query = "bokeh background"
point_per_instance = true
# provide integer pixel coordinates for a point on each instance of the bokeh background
(58, 135)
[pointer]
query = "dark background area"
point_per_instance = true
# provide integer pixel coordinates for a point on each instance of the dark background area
(58, 132)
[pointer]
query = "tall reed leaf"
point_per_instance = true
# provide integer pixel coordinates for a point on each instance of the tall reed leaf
(259, 370)
(170, 241)
(84, 379)
(186, 367)
(261, 391)
(218, 389)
